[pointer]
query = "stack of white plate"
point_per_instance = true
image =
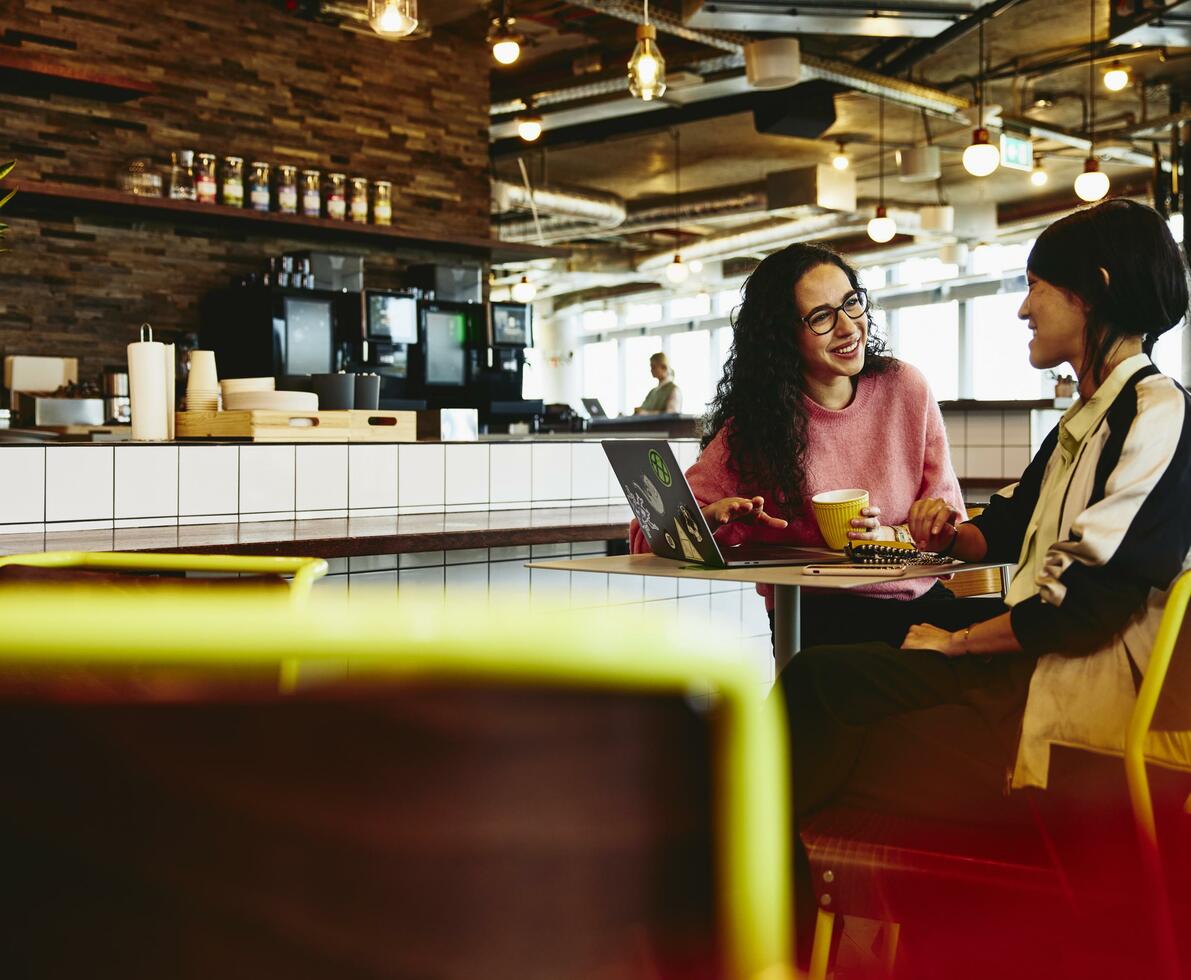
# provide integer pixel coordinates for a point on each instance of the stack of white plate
(230, 386)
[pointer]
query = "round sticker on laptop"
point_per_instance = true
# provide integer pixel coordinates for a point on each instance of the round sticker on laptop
(661, 471)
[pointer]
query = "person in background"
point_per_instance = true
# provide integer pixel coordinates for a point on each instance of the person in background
(1098, 527)
(666, 398)
(808, 402)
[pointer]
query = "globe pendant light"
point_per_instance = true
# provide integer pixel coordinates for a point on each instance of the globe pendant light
(1039, 176)
(981, 157)
(505, 42)
(647, 67)
(393, 18)
(1092, 184)
(529, 126)
(524, 291)
(676, 271)
(881, 228)
(840, 161)
(1117, 77)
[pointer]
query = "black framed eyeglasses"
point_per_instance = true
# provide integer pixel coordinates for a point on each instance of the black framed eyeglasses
(822, 320)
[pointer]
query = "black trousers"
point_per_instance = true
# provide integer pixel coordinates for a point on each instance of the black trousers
(903, 731)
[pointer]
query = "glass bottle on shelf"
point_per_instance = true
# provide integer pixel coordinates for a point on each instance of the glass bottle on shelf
(287, 188)
(258, 186)
(233, 182)
(382, 202)
(182, 175)
(204, 178)
(312, 195)
(358, 206)
(337, 196)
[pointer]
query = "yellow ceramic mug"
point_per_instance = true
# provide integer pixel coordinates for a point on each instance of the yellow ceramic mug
(834, 510)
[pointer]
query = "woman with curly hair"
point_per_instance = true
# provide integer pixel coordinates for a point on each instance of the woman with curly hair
(810, 401)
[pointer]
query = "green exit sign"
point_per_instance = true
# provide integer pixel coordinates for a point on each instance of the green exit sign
(1016, 153)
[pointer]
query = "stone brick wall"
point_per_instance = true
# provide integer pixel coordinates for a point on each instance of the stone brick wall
(233, 77)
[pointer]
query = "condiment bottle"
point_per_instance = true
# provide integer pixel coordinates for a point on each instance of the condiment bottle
(233, 182)
(382, 206)
(287, 189)
(182, 175)
(337, 196)
(312, 198)
(204, 178)
(258, 186)
(359, 200)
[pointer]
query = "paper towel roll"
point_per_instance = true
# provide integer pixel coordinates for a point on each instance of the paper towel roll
(147, 389)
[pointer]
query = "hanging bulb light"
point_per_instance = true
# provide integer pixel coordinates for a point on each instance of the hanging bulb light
(1117, 77)
(840, 161)
(981, 157)
(1039, 176)
(677, 271)
(504, 41)
(524, 291)
(1092, 184)
(881, 228)
(393, 18)
(647, 67)
(529, 127)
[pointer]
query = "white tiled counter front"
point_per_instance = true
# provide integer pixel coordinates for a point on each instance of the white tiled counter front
(82, 487)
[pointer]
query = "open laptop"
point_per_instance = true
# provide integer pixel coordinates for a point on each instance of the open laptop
(594, 409)
(670, 517)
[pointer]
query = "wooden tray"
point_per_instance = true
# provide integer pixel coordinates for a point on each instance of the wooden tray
(260, 426)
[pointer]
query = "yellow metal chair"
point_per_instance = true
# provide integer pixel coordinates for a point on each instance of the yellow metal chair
(407, 642)
(304, 571)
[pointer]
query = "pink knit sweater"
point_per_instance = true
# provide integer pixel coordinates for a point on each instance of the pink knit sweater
(890, 441)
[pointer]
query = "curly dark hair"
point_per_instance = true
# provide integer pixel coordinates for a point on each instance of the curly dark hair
(759, 398)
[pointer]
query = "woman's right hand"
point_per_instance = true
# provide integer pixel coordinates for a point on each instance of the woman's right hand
(748, 509)
(932, 524)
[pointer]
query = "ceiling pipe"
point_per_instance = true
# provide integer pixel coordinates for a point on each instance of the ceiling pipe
(594, 207)
(1104, 149)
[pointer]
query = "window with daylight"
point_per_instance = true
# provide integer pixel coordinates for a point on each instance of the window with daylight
(690, 357)
(873, 277)
(601, 374)
(531, 378)
(635, 353)
(914, 271)
(1168, 352)
(726, 300)
(684, 307)
(1001, 352)
(641, 313)
(596, 321)
(928, 338)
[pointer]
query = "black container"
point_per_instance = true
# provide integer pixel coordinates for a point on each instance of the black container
(336, 392)
(367, 391)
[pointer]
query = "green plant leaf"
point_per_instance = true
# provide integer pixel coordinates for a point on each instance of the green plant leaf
(7, 197)
(6, 168)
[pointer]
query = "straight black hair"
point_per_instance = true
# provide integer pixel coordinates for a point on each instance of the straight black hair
(1146, 289)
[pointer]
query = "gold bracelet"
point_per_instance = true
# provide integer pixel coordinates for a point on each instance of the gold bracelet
(967, 634)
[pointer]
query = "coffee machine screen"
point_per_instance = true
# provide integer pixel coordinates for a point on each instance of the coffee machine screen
(392, 319)
(309, 336)
(446, 334)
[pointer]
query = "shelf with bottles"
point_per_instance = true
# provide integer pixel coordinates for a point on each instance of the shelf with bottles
(36, 74)
(38, 197)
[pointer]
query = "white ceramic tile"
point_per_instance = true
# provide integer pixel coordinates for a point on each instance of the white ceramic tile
(695, 611)
(511, 470)
(371, 563)
(420, 477)
(466, 581)
(1016, 429)
(1016, 459)
(725, 611)
(957, 429)
(549, 586)
(984, 462)
(425, 584)
(321, 478)
(589, 589)
(509, 578)
(22, 484)
(372, 477)
(959, 461)
(551, 471)
(134, 522)
(686, 452)
(267, 517)
(693, 586)
(557, 550)
(625, 589)
(984, 429)
(208, 480)
(590, 471)
(657, 587)
(146, 481)
(208, 519)
(515, 552)
(421, 559)
(753, 618)
(467, 474)
(266, 479)
(1044, 419)
(78, 483)
(466, 556)
(103, 543)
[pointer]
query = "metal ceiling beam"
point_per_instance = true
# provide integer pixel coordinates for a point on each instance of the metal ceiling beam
(956, 32)
(838, 18)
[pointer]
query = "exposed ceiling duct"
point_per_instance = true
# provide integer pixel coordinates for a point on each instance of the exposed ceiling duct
(592, 208)
(890, 20)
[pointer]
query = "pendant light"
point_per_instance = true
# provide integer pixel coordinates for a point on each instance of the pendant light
(647, 67)
(1039, 176)
(524, 291)
(393, 18)
(676, 272)
(1117, 77)
(881, 228)
(504, 41)
(981, 157)
(1092, 184)
(529, 124)
(840, 161)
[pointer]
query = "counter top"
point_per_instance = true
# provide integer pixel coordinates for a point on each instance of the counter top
(346, 537)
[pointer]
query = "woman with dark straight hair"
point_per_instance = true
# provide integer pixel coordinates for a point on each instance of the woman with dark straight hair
(810, 401)
(1098, 527)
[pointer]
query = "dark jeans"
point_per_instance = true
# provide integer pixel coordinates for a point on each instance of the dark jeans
(843, 617)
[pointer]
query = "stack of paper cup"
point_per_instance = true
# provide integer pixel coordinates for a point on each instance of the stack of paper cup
(147, 383)
(834, 511)
(202, 385)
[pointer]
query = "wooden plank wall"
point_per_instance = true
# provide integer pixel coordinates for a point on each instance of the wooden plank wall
(236, 77)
